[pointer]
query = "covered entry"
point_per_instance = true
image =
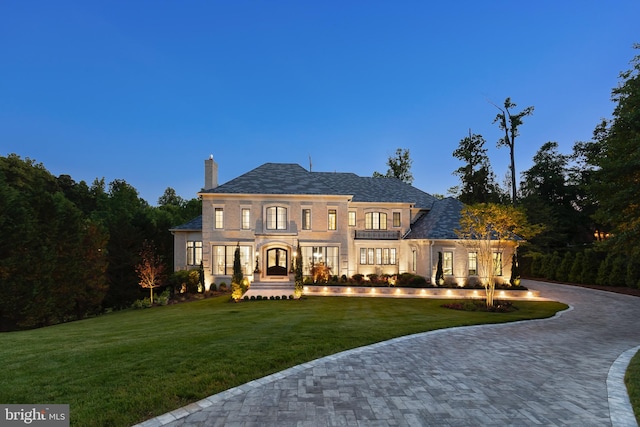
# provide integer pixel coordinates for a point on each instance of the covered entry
(277, 262)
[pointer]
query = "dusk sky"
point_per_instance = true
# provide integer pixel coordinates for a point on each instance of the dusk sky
(145, 91)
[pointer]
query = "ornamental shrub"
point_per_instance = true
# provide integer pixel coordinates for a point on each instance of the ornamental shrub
(562, 272)
(575, 273)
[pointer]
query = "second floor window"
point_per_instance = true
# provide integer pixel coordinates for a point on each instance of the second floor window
(219, 218)
(246, 218)
(396, 219)
(276, 218)
(306, 219)
(352, 218)
(375, 221)
(333, 219)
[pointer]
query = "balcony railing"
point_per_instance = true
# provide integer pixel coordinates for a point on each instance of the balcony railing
(377, 235)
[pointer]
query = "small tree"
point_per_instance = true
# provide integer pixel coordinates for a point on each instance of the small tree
(439, 270)
(150, 269)
(515, 270)
(237, 280)
(298, 273)
(489, 228)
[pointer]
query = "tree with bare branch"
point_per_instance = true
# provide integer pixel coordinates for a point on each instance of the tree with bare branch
(509, 123)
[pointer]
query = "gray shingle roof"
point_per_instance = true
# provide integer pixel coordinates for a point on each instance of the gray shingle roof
(288, 178)
(440, 222)
(194, 225)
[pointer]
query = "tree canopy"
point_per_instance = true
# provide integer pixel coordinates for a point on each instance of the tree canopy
(617, 181)
(69, 250)
(399, 166)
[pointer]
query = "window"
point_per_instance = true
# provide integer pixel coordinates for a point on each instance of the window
(223, 257)
(375, 221)
(352, 218)
(276, 218)
(447, 262)
(246, 218)
(378, 256)
(414, 260)
(473, 263)
(396, 219)
(306, 219)
(194, 252)
(497, 263)
(219, 218)
(333, 219)
(319, 255)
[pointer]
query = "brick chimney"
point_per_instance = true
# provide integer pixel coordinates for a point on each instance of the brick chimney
(210, 173)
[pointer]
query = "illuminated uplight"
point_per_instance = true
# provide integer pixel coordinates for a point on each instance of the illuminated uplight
(398, 291)
(501, 293)
(373, 291)
(423, 292)
(529, 294)
(348, 290)
(448, 291)
(306, 289)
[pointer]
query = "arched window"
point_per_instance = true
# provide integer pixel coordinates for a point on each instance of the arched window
(375, 221)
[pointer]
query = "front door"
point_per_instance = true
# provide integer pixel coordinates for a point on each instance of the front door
(277, 261)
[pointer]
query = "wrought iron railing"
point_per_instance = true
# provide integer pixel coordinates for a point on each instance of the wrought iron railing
(377, 235)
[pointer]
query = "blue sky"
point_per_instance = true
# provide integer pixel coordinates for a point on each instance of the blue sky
(145, 91)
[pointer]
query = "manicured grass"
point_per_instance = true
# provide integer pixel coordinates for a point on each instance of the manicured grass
(126, 367)
(632, 381)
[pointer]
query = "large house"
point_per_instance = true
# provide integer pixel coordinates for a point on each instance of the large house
(347, 223)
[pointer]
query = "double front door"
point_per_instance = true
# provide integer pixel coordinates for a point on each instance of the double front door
(277, 262)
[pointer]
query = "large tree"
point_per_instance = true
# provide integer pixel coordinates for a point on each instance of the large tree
(509, 123)
(477, 179)
(617, 183)
(399, 166)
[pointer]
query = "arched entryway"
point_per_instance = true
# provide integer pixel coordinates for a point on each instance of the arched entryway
(277, 262)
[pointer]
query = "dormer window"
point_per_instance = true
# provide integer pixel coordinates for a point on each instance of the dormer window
(375, 221)
(276, 218)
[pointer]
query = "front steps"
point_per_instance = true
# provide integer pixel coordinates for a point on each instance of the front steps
(268, 289)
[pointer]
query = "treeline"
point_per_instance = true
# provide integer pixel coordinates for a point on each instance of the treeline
(68, 250)
(588, 201)
(587, 267)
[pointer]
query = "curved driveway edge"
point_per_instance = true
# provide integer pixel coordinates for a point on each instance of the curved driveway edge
(553, 372)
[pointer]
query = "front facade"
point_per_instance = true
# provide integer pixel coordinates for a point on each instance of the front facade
(343, 224)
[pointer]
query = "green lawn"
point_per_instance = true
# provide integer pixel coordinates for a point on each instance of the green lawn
(632, 381)
(126, 367)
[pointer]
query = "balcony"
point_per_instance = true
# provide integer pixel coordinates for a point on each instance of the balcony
(377, 235)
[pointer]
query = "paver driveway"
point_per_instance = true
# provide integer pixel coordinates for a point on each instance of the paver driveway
(546, 373)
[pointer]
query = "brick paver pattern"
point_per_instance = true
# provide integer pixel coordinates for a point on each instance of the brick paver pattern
(535, 373)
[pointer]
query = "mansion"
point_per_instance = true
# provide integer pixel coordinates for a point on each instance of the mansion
(347, 223)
